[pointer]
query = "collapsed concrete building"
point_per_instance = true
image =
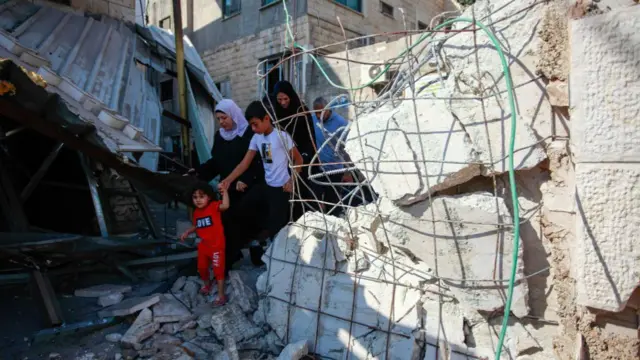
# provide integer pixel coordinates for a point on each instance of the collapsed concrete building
(425, 271)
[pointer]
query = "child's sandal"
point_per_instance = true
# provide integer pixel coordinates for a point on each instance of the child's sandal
(205, 290)
(220, 301)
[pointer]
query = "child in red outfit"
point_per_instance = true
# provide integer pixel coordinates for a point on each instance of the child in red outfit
(208, 226)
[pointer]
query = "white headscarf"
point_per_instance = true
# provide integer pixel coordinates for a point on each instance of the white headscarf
(240, 124)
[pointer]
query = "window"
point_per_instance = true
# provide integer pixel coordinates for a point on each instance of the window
(230, 7)
(225, 88)
(422, 26)
(351, 4)
(293, 70)
(166, 90)
(166, 23)
(267, 2)
(386, 9)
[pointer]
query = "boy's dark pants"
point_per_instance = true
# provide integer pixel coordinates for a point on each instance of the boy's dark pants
(266, 205)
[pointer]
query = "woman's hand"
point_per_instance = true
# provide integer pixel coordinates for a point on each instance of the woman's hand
(190, 172)
(223, 185)
(240, 186)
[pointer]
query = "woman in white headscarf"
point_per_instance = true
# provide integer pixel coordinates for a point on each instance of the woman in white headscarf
(229, 148)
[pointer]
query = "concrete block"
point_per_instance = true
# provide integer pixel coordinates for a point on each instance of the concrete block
(241, 293)
(605, 82)
(294, 351)
(102, 290)
(169, 310)
(141, 329)
(606, 261)
(230, 322)
(130, 306)
(111, 299)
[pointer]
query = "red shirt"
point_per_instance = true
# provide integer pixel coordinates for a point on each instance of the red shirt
(208, 223)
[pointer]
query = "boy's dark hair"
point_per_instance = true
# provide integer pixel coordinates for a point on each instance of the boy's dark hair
(258, 109)
(205, 188)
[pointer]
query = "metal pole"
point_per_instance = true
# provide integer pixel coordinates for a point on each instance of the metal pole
(95, 196)
(182, 84)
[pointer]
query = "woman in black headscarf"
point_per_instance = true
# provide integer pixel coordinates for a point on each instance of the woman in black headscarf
(294, 117)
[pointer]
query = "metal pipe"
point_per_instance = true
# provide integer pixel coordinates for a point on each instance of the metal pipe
(182, 84)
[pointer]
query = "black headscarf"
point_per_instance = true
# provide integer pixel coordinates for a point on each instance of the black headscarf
(299, 127)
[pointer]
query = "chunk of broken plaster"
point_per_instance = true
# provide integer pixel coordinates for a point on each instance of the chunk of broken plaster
(169, 310)
(230, 322)
(179, 284)
(111, 299)
(241, 293)
(102, 290)
(294, 351)
(130, 306)
(141, 329)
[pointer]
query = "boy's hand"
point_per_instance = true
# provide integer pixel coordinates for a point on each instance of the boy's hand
(240, 186)
(288, 187)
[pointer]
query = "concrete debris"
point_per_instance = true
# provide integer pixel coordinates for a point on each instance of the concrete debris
(165, 342)
(229, 321)
(102, 290)
(294, 351)
(190, 291)
(55, 356)
(195, 351)
(230, 350)
(179, 284)
(141, 329)
(130, 306)
(111, 299)
(169, 310)
(188, 334)
(117, 356)
(241, 293)
(114, 338)
(208, 344)
(558, 93)
(171, 328)
(605, 56)
(162, 273)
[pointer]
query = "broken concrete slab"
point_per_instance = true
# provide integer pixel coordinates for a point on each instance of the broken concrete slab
(468, 227)
(111, 299)
(230, 321)
(179, 284)
(170, 310)
(294, 351)
(605, 53)
(159, 274)
(130, 306)
(190, 291)
(208, 344)
(141, 329)
(241, 293)
(102, 290)
(165, 342)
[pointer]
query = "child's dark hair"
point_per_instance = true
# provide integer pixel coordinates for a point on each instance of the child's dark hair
(205, 188)
(258, 109)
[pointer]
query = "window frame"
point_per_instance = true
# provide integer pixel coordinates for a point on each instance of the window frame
(344, 3)
(387, 6)
(264, 3)
(422, 26)
(166, 18)
(232, 14)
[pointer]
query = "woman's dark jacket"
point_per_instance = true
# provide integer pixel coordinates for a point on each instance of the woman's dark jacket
(226, 155)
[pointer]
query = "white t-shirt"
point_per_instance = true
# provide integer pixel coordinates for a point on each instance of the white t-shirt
(273, 149)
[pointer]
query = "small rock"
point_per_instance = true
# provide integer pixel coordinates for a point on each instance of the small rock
(102, 290)
(204, 321)
(230, 322)
(117, 356)
(558, 92)
(179, 284)
(147, 353)
(208, 344)
(188, 334)
(170, 328)
(191, 290)
(166, 342)
(362, 264)
(55, 356)
(114, 337)
(129, 354)
(294, 351)
(189, 324)
(230, 350)
(111, 299)
(162, 273)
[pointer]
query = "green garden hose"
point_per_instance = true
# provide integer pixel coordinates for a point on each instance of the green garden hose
(512, 175)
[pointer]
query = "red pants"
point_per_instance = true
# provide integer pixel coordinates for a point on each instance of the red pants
(208, 256)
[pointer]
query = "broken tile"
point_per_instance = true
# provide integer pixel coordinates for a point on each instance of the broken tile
(169, 310)
(111, 299)
(102, 290)
(130, 306)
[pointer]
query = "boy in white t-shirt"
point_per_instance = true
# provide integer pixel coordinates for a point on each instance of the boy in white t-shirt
(275, 147)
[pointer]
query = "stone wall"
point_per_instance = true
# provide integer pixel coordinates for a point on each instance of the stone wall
(237, 61)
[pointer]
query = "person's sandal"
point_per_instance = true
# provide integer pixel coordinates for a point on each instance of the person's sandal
(220, 301)
(205, 290)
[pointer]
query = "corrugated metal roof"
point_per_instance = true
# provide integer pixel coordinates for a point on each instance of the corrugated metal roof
(98, 54)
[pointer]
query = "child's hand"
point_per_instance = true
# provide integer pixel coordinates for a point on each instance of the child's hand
(240, 186)
(223, 185)
(184, 236)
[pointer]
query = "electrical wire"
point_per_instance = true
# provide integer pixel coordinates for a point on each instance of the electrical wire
(511, 101)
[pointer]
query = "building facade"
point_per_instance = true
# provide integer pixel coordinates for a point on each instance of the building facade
(242, 41)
